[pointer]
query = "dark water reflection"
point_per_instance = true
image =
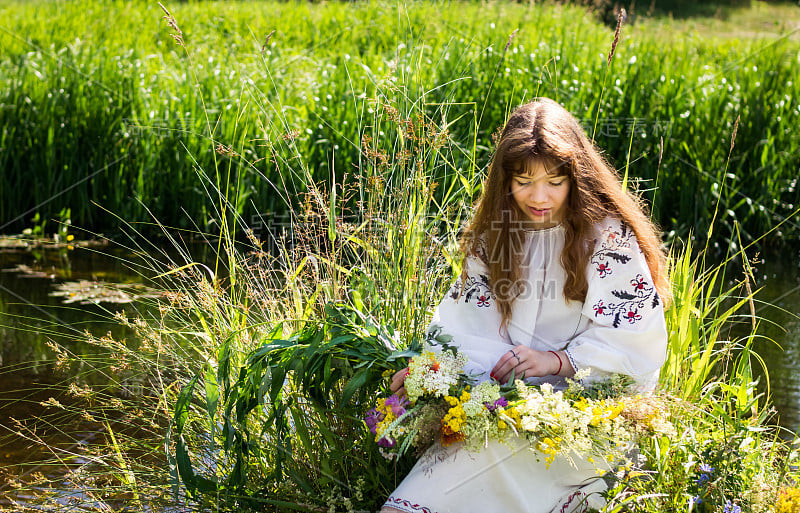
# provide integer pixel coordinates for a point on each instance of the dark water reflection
(779, 307)
(30, 318)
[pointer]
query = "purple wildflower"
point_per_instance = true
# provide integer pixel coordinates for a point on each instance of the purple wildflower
(397, 405)
(705, 476)
(372, 419)
(388, 443)
(705, 467)
(731, 508)
(500, 403)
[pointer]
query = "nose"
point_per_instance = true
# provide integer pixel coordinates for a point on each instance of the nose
(538, 193)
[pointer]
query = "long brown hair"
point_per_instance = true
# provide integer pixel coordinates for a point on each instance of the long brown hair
(543, 130)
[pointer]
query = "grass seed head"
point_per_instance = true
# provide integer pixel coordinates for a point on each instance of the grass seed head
(266, 42)
(733, 136)
(620, 18)
(173, 23)
(226, 150)
(510, 37)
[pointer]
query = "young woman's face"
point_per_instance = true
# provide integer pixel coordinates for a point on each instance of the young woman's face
(541, 197)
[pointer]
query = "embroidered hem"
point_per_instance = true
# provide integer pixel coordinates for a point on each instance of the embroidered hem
(406, 505)
(571, 360)
(580, 507)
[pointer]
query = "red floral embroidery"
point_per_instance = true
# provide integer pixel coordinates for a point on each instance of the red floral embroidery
(599, 308)
(632, 316)
(630, 302)
(613, 247)
(475, 287)
(638, 283)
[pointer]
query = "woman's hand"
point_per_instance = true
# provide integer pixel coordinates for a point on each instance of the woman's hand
(397, 382)
(528, 363)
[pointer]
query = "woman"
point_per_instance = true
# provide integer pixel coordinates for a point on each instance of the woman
(563, 272)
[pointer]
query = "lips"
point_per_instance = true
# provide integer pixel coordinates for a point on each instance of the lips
(539, 212)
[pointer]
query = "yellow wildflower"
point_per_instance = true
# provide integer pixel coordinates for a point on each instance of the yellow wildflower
(788, 501)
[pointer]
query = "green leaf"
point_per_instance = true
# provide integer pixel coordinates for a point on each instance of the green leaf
(278, 377)
(327, 372)
(342, 338)
(182, 405)
(302, 431)
(224, 366)
(303, 483)
(212, 393)
(184, 465)
(465, 183)
(406, 353)
(265, 384)
(353, 384)
(212, 399)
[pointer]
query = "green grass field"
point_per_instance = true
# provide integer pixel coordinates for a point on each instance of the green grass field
(100, 105)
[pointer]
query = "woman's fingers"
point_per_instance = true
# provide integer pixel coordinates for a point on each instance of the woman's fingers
(510, 366)
(500, 363)
(398, 379)
(516, 372)
(520, 362)
(502, 366)
(511, 363)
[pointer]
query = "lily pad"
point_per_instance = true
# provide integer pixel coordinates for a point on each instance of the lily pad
(26, 271)
(86, 292)
(16, 242)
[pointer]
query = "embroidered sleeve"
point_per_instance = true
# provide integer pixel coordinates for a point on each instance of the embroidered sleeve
(468, 314)
(627, 331)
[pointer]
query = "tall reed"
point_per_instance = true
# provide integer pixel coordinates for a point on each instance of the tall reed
(87, 122)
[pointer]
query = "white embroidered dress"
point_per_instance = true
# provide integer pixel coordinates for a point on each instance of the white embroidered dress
(620, 328)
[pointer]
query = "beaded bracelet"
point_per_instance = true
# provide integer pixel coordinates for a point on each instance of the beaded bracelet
(560, 363)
